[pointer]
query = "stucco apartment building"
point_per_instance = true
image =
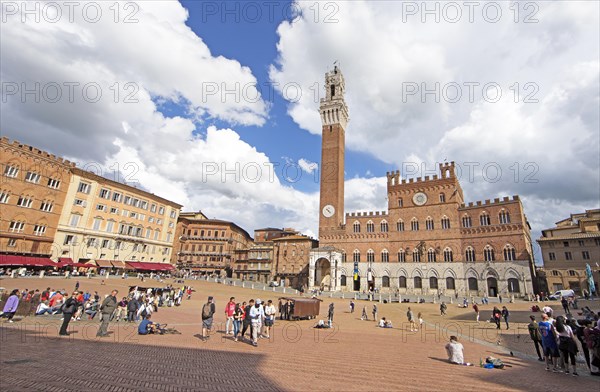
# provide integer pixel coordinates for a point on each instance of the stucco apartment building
(568, 247)
(109, 223)
(208, 246)
(33, 188)
(429, 240)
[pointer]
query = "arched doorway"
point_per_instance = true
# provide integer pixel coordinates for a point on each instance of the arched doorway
(323, 274)
(357, 283)
(513, 285)
(492, 284)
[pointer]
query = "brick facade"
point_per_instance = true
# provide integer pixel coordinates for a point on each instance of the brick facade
(568, 248)
(32, 194)
(208, 246)
(428, 232)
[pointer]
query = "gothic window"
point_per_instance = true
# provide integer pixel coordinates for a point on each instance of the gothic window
(473, 286)
(356, 227)
(400, 202)
(433, 282)
(431, 255)
(429, 224)
(488, 253)
(414, 224)
(402, 282)
(384, 226)
(416, 256)
(450, 284)
(401, 256)
(442, 198)
(356, 255)
(448, 258)
(385, 256)
(400, 225)
(445, 223)
(466, 221)
(504, 217)
(470, 254)
(370, 255)
(509, 253)
(370, 227)
(484, 219)
(385, 281)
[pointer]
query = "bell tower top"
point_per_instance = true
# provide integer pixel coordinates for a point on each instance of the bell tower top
(333, 107)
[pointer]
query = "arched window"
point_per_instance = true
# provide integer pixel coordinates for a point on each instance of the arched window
(448, 258)
(509, 253)
(370, 255)
(343, 280)
(385, 256)
(442, 198)
(414, 224)
(429, 223)
(356, 255)
(466, 221)
(484, 219)
(400, 225)
(473, 286)
(470, 254)
(504, 217)
(445, 223)
(416, 256)
(356, 227)
(383, 226)
(431, 255)
(343, 256)
(433, 282)
(402, 282)
(418, 282)
(385, 281)
(370, 227)
(488, 253)
(400, 203)
(513, 285)
(450, 285)
(401, 256)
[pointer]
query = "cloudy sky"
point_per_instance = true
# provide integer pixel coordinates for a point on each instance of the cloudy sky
(215, 105)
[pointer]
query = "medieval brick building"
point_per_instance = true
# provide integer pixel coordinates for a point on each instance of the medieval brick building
(429, 240)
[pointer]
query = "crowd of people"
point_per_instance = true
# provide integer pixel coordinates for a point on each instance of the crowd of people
(558, 336)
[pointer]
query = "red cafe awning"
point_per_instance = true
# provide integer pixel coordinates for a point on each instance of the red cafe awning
(26, 261)
(138, 265)
(104, 263)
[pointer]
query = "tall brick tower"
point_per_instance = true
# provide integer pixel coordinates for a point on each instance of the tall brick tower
(334, 117)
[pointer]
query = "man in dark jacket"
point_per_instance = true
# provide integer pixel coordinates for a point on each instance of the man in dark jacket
(534, 334)
(69, 308)
(107, 308)
(132, 307)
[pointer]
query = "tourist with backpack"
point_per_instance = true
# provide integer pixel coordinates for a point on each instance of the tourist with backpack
(208, 310)
(69, 308)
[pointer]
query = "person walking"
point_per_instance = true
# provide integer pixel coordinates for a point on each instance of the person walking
(330, 315)
(109, 305)
(69, 308)
(505, 315)
(548, 334)
(476, 310)
(364, 314)
(229, 310)
(247, 322)
(497, 316)
(269, 318)
(11, 305)
(257, 314)
(238, 317)
(534, 334)
(566, 346)
(351, 306)
(374, 312)
(208, 311)
(132, 308)
(443, 308)
(411, 320)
